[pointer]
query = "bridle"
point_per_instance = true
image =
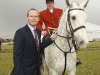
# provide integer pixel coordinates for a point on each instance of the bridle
(69, 22)
(68, 38)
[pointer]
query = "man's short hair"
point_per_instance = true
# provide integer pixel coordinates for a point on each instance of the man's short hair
(30, 10)
(47, 1)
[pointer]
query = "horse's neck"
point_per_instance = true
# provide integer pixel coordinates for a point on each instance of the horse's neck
(62, 30)
(63, 23)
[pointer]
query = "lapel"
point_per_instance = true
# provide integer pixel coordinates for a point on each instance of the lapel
(39, 36)
(30, 33)
(49, 13)
(54, 10)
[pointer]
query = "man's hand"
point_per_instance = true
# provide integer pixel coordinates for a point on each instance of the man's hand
(54, 35)
(43, 33)
(50, 29)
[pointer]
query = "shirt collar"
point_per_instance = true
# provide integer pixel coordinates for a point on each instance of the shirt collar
(31, 28)
(51, 10)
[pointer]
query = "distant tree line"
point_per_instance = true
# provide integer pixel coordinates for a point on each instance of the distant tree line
(0, 43)
(7, 40)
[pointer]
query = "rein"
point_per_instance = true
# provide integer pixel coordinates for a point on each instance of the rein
(65, 53)
(72, 37)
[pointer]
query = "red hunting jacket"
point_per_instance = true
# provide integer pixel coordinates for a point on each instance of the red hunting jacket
(49, 19)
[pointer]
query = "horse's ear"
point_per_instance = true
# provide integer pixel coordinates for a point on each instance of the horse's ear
(68, 2)
(84, 4)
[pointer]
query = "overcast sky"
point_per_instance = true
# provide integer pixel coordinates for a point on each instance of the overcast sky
(13, 13)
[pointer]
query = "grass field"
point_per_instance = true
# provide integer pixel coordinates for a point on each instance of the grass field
(90, 58)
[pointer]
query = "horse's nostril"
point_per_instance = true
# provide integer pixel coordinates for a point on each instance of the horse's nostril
(81, 42)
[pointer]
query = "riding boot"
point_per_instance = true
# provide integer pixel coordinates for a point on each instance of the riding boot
(78, 62)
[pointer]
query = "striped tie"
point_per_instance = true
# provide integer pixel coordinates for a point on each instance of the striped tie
(36, 38)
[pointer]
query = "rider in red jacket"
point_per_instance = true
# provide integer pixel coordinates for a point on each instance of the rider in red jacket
(50, 17)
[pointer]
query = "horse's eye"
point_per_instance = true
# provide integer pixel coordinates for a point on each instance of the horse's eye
(73, 17)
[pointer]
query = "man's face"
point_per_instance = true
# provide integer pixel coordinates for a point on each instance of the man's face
(50, 5)
(33, 17)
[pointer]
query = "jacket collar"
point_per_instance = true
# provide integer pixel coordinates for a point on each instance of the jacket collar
(54, 9)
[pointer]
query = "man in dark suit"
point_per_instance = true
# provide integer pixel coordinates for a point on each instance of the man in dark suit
(27, 49)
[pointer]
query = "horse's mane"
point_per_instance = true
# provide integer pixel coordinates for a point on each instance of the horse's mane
(64, 14)
(63, 20)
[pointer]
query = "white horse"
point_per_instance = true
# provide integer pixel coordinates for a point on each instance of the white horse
(60, 57)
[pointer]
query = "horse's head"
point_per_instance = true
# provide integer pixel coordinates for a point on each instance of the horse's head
(76, 20)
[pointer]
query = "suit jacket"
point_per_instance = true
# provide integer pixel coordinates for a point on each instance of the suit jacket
(25, 55)
(49, 19)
